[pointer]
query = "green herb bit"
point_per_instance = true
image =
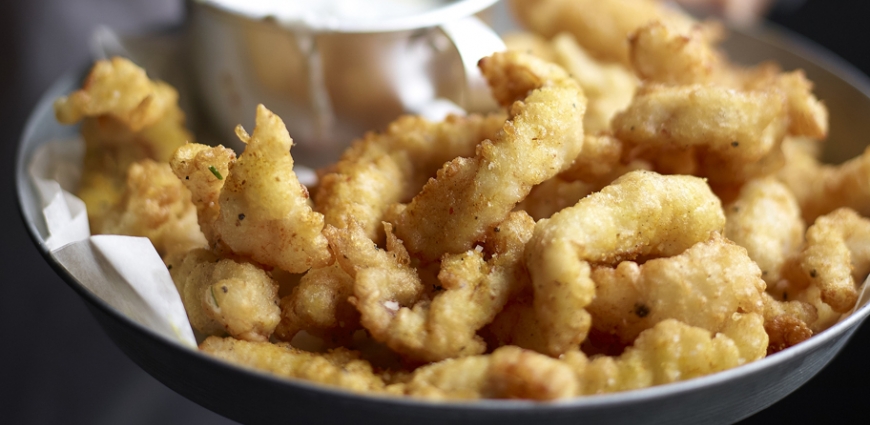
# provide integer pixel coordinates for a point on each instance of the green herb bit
(214, 298)
(215, 172)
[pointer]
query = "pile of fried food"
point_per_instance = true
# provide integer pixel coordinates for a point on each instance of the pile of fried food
(642, 211)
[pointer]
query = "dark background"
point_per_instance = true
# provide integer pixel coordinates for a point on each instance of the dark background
(57, 366)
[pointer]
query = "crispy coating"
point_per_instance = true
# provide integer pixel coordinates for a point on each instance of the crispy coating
(384, 282)
(543, 135)
(222, 295)
(319, 305)
(339, 368)
(509, 372)
(820, 188)
(787, 323)
(156, 205)
(660, 54)
(642, 214)
(126, 118)
(600, 26)
(673, 351)
(701, 287)
(531, 43)
(743, 126)
(766, 220)
(608, 87)
(836, 257)
(384, 168)
(601, 154)
(193, 164)
(264, 211)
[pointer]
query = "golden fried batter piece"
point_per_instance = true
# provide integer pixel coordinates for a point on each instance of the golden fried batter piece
(821, 188)
(319, 305)
(660, 54)
(601, 26)
(156, 205)
(641, 215)
(470, 195)
(384, 281)
(385, 168)
(743, 126)
(127, 118)
(672, 351)
(766, 220)
(341, 367)
(701, 287)
(202, 170)
(222, 295)
(608, 87)
(787, 323)
(265, 213)
(509, 372)
(836, 257)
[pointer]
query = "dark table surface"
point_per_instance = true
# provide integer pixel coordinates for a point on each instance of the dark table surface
(56, 364)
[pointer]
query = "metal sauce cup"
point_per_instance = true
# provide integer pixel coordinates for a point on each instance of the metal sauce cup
(330, 76)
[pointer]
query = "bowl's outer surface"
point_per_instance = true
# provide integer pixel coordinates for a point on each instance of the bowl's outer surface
(253, 397)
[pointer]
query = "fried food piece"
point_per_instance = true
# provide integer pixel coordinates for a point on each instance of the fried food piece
(509, 372)
(225, 295)
(659, 54)
(384, 281)
(471, 195)
(319, 305)
(554, 195)
(202, 169)
(600, 26)
(601, 154)
(338, 368)
(821, 188)
(531, 43)
(641, 215)
(608, 87)
(807, 115)
(765, 219)
(836, 257)
(701, 287)
(787, 323)
(385, 168)
(673, 351)
(743, 126)
(156, 205)
(264, 211)
(127, 118)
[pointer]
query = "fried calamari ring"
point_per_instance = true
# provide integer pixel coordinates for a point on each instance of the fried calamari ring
(672, 351)
(787, 323)
(385, 168)
(384, 281)
(743, 126)
(264, 211)
(156, 205)
(509, 372)
(470, 195)
(338, 368)
(224, 295)
(600, 26)
(199, 167)
(127, 118)
(701, 287)
(836, 257)
(765, 219)
(319, 305)
(642, 214)
(660, 54)
(821, 188)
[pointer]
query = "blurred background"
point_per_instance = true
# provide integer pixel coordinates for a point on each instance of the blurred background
(56, 364)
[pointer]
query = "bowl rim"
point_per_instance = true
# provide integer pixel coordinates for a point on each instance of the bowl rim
(770, 34)
(449, 11)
